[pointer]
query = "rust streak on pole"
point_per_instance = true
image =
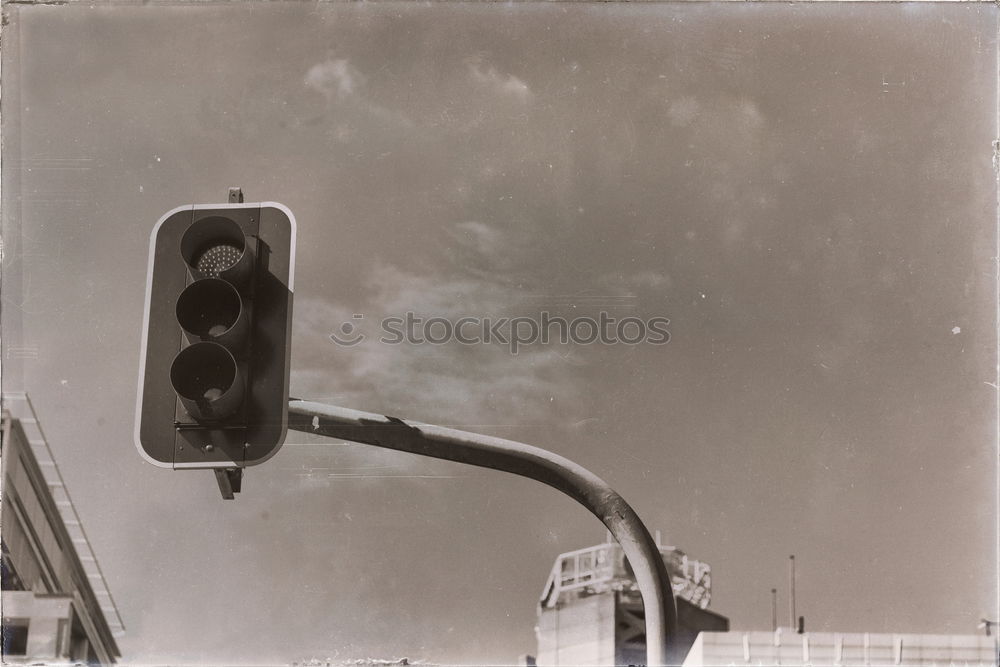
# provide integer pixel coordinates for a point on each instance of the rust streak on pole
(517, 458)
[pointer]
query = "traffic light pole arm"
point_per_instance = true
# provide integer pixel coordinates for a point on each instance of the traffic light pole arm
(514, 457)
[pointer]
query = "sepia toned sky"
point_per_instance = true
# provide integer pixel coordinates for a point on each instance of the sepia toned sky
(805, 191)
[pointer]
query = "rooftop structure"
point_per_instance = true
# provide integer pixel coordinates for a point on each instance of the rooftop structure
(590, 612)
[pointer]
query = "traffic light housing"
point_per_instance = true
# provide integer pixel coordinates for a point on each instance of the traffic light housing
(214, 364)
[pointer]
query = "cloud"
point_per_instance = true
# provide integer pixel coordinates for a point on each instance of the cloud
(455, 383)
(506, 85)
(335, 79)
(346, 87)
(479, 236)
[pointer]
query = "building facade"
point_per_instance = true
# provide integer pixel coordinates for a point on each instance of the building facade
(785, 647)
(56, 605)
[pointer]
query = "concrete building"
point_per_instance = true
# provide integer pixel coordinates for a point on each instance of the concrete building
(784, 647)
(56, 604)
(590, 612)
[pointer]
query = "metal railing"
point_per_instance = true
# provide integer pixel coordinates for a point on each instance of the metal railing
(602, 565)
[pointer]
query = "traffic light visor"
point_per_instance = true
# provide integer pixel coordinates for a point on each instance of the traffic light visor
(208, 381)
(217, 247)
(211, 309)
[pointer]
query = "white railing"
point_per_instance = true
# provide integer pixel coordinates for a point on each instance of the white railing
(602, 565)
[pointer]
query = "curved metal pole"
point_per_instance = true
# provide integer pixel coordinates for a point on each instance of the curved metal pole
(514, 457)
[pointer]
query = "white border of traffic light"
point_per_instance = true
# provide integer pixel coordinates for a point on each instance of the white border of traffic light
(145, 313)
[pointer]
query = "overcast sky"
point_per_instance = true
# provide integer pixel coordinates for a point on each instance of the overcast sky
(806, 192)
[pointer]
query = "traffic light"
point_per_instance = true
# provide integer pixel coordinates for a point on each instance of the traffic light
(213, 377)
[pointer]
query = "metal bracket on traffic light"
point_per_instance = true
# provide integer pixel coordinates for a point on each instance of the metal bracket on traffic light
(230, 480)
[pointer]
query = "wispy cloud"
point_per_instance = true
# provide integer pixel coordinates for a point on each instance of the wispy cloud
(480, 236)
(482, 384)
(345, 86)
(334, 79)
(500, 83)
